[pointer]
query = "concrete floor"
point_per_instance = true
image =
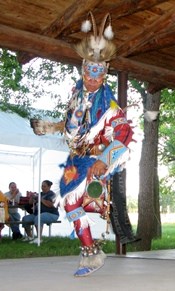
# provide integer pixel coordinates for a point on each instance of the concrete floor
(153, 271)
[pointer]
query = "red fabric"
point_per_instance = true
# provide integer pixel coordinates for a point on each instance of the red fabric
(122, 132)
(84, 235)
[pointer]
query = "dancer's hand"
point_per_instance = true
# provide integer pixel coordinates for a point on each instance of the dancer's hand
(98, 169)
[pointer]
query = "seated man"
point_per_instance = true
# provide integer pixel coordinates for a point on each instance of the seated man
(49, 213)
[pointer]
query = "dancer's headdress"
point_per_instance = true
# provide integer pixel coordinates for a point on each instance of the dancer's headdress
(98, 46)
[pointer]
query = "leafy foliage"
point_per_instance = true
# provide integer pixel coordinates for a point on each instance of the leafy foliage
(167, 126)
(11, 75)
(22, 86)
(167, 197)
(167, 148)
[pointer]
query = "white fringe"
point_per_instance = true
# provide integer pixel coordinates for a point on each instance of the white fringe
(85, 221)
(119, 162)
(73, 196)
(100, 125)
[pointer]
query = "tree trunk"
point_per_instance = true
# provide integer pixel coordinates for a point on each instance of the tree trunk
(149, 225)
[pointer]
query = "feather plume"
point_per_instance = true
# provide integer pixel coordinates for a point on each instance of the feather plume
(98, 43)
(97, 48)
(108, 33)
(86, 26)
(151, 115)
(85, 50)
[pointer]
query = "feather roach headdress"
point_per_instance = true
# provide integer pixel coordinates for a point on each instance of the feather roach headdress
(98, 46)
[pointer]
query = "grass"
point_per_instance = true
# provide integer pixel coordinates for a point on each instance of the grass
(54, 246)
(168, 238)
(64, 246)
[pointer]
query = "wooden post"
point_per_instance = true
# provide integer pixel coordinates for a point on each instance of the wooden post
(122, 89)
(122, 101)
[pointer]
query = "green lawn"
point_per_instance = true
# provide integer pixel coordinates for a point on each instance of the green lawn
(168, 238)
(64, 246)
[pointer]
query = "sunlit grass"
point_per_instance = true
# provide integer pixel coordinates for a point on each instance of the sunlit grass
(168, 238)
(54, 246)
(64, 246)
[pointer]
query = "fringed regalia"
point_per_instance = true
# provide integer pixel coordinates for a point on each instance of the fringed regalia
(95, 129)
(104, 125)
(98, 135)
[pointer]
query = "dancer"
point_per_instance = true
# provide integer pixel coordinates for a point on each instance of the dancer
(98, 134)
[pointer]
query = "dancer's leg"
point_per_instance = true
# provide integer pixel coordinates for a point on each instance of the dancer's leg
(92, 256)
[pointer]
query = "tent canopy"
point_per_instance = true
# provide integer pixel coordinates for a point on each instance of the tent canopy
(15, 130)
(19, 147)
(17, 155)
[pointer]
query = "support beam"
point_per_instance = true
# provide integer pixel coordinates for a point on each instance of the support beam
(162, 24)
(75, 11)
(159, 41)
(144, 72)
(129, 7)
(61, 51)
(40, 46)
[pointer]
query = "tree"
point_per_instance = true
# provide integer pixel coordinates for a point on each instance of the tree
(158, 147)
(148, 202)
(22, 86)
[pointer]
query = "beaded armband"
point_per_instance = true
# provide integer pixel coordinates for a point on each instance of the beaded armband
(75, 214)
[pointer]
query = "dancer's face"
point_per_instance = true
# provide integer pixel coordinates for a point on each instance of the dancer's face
(94, 75)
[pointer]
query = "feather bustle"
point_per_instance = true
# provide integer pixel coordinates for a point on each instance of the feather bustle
(85, 51)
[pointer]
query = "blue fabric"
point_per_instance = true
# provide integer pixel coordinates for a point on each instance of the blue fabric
(15, 217)
(79, 84)
(45, 218)
(85, 271)
(72, 235)
(101, 102)
(111, 154)
(82, 165)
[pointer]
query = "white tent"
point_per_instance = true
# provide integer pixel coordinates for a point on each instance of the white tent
(20, 146)
(15, 130)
